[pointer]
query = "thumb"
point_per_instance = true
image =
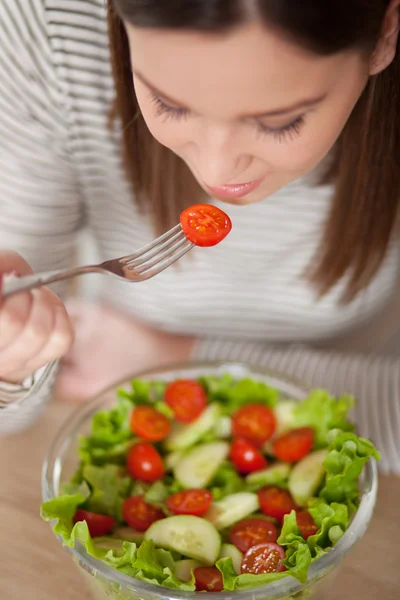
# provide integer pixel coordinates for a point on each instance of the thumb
(13, 262)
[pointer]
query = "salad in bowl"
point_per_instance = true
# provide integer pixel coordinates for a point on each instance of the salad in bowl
(210, 478)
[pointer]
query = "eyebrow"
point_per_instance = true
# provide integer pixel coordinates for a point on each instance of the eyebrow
(302, 104)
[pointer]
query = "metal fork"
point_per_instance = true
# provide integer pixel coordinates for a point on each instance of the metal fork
(143, 264)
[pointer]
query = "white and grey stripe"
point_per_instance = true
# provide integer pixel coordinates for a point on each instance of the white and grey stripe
(60, 169)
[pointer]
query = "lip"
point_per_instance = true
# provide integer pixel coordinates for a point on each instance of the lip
(237, 190)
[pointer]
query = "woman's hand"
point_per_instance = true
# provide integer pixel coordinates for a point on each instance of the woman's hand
(34, 326)
(110, 346)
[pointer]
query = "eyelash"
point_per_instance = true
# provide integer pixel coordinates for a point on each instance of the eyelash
(284, 134)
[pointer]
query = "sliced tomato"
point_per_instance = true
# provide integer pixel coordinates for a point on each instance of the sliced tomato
(97, 524)
(254, 422)
(149, 424)
(265, 558)
(246, 457)
(306, 524)
(145, 463)
(190, 502)
(208, 579)
(205, 224)
(187, 399)
(139, 514)
(252, 532)
(294, 445)
(276, 502)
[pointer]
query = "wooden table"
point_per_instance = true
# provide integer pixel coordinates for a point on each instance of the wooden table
(33, 565)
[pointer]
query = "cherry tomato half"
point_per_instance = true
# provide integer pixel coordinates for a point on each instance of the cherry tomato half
(208, 579)
(187, 399)
(205, 224)
(254, 422)
(265, 558)
(190, 502)
(294, 445)
(97, 524)
(306, 524)
(246, 457)
(149, 424)
(139, 514)
(276, 502)
(252, 532)
(145, 463)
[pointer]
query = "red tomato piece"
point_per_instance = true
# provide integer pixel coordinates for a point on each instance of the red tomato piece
(149, 424)
(252, 532)
(187, 399)
(139, 514)
(97, 524)
(276, 502)
(254, 422)
(265, 558)
(205, 224)
(208, 579)
(294, 445)
(246, 457)
(306, 524)
(145, 463)
(190, 502)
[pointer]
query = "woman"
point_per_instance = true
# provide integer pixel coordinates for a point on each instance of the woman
(287, 108)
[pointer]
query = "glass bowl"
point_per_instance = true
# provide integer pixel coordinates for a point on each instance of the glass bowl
(105, 582)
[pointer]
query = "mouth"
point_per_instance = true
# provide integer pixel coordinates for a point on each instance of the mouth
(237, 190)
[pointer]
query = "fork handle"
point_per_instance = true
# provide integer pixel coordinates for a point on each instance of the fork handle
(29, 282)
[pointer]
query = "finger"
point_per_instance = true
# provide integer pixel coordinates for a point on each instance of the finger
(12, 261)
(14, 315)
(34, 335)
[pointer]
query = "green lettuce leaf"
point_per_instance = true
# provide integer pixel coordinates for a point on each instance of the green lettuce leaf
(332, 521)
(226, 481)
(143, 392)
(233, 394)
(63, 508)
(347, 456)
(323, 412)
(298, 554)
(233, 581)
(156, 565)
(110, 486)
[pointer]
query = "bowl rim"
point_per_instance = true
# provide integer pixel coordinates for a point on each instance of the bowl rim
(287, 586)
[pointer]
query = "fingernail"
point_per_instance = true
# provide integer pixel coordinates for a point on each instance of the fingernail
(13, 273)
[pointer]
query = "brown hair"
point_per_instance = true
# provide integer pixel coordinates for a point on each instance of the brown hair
(365, 171)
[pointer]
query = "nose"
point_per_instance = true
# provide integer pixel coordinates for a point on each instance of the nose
(221, 159)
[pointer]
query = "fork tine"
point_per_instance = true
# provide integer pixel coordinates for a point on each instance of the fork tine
(156, 250)
(145, 265)
(162, 238)
(167, 262)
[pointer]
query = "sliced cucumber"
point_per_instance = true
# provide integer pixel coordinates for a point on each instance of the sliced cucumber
(231, 509)
(128, 534)
(306, 477)
(109, 543)
(197, 468)
(230, 551)
(274, 475)
(184, 568)
(172, 459)
(193, 537)
(184, 436)
(223, 427)
(285, 415)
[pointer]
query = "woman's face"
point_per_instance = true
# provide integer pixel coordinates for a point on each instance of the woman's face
(248, 107)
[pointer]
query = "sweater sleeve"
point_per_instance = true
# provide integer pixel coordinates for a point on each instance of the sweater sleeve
(40, 204)
(373, 380)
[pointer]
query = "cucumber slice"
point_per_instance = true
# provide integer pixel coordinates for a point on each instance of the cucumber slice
(307, 476)
(223, 427)
(231, 509)
(184, 436)
(109, 543)
(197, 468)
(285, 417)
(127, 534)
(184, 568)
(230, 551)
(274, 475)
(191, 536)
(172, 459)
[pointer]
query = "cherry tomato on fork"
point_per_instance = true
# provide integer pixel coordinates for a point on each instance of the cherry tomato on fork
(187, 399)
(149, 424)
(97, 524)
(145, 463)
(254, 422)
(294, 445)
(190, 502)
(205, 224)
